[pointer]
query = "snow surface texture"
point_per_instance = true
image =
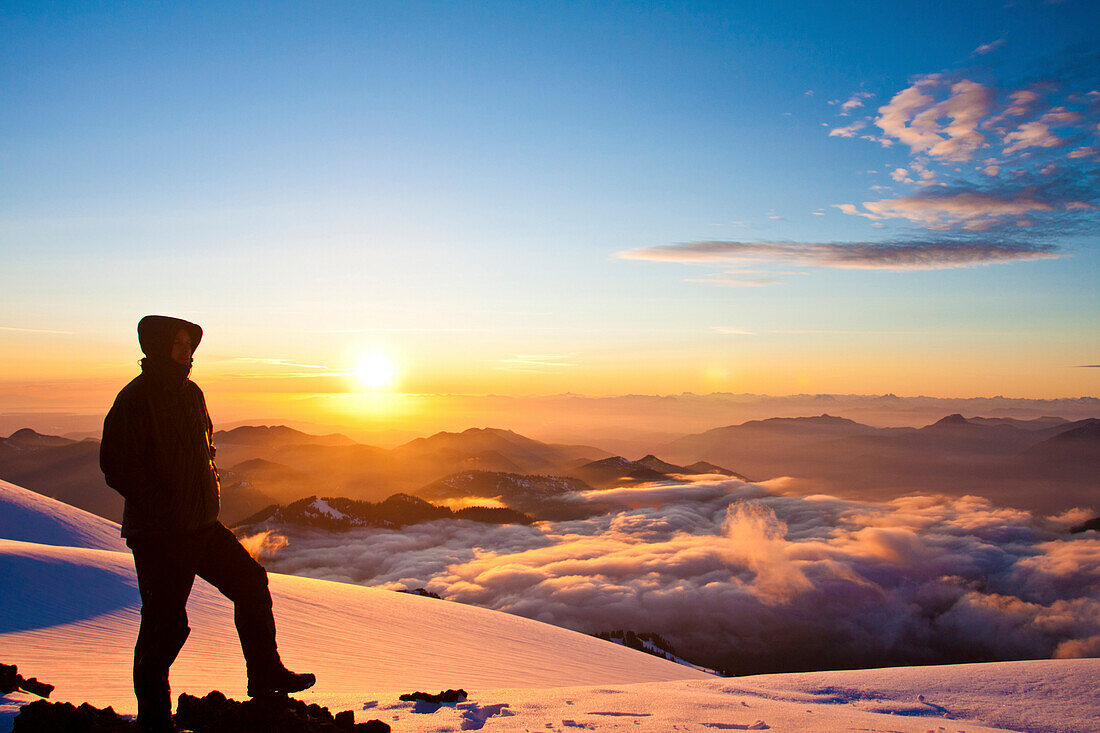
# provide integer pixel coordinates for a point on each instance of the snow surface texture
(69, 615)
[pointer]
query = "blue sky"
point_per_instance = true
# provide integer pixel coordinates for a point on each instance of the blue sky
(472, 184)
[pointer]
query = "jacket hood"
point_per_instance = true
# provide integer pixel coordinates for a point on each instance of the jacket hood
(156, 333)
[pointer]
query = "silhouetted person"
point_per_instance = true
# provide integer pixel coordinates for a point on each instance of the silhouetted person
(158, 452)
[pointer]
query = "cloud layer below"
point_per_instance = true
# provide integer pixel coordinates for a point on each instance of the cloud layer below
(742, 578)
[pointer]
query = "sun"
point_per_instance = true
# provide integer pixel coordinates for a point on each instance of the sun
(375, 371)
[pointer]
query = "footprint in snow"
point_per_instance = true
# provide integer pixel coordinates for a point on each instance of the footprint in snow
(758, 725)
(474, 715)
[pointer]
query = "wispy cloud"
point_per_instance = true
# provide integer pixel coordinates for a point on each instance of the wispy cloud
(734, 281)
(848, 332)
(886, 255)
(854, 102)
(989, 47)
(269, 368)
(402, 329)
(1058, 201)
(273, 362)
(536, 362)
(936, 209)
(35, 330)
(851, 130)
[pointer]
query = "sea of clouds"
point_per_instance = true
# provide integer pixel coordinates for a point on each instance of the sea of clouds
(742, 578)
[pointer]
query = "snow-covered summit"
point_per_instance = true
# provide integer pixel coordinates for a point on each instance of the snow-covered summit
(69, 615)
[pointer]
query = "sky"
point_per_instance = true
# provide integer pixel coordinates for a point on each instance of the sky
(539, 198)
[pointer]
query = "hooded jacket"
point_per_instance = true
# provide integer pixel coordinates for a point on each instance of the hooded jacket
(157, 449)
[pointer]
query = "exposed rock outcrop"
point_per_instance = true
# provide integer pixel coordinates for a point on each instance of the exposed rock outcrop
(214, 713)
(11, 680)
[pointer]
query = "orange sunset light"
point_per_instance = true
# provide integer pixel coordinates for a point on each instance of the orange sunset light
(376, 371)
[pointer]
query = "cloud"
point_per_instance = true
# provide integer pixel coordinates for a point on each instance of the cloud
(35, 330)
(1084, 152)
(535, 362)
(887, 255)
(950, 119)
(733, 281)
(914, 117)
(901, 175)
(279, 368)
(926, 177)
(854, 102)
(1020, 103)
(848, 131)
(989, 47)
(1031, 135)
(937, 209)
(740, 577)
(272, 362)
(983, 159)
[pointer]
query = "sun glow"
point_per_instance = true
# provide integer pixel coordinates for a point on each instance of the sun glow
(376, 371)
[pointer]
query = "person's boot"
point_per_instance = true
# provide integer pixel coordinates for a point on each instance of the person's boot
(279, 681)
(154, 716)
(154, 697)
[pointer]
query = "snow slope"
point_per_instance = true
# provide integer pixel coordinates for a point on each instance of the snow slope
(69, 614)
(31, 517)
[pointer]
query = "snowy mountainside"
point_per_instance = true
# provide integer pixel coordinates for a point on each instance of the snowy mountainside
(69, 615)
(31, 517)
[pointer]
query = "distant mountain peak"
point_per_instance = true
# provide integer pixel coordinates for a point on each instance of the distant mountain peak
(823, 418)
(402, 498)
(340, 513)
(612, 461)
(707, 467)
(491, 431)
(25, 433)
(277, 435)
(953, 419)
(1088, 430)
(28, 438)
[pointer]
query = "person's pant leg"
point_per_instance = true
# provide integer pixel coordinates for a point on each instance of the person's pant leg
(164, 582)
(227, 566)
